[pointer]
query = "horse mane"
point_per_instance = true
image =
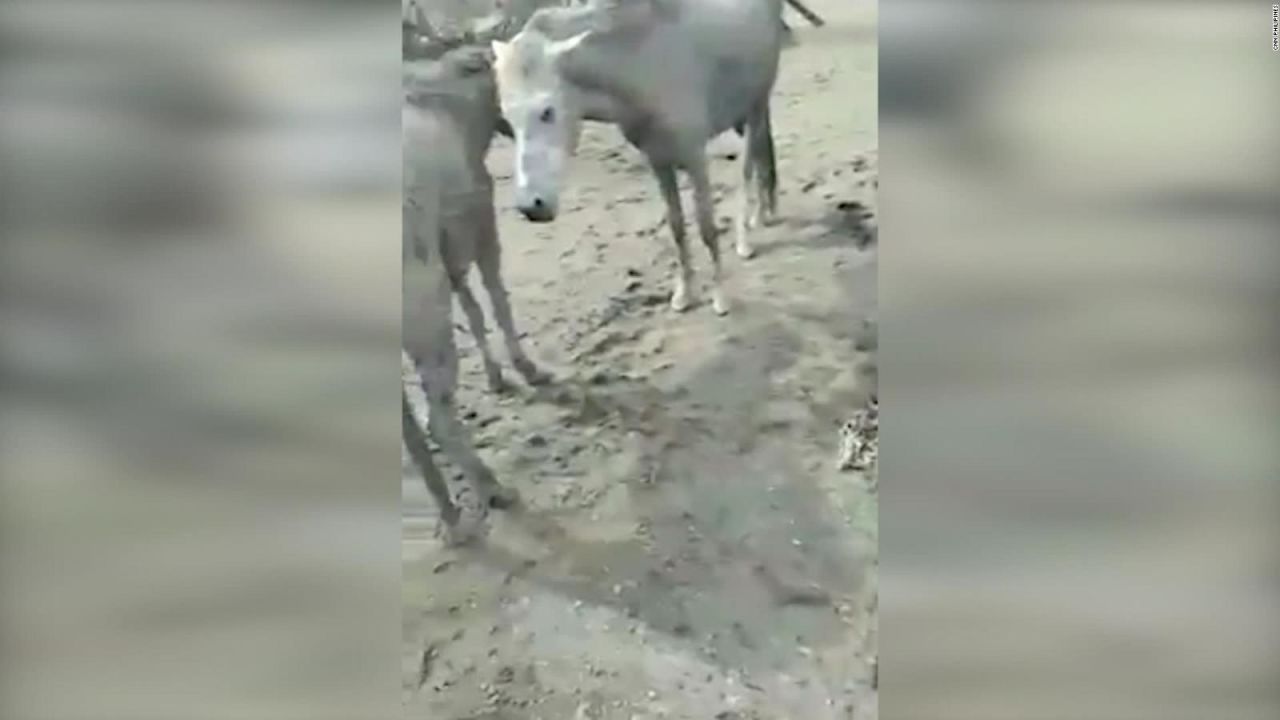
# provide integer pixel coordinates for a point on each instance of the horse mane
(601, 16)
(457, 80)
(559, 23)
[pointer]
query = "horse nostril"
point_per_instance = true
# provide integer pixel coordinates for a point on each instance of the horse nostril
(538, 210)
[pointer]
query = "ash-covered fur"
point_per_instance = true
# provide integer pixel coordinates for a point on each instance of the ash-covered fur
(460, 90)
(448, 116)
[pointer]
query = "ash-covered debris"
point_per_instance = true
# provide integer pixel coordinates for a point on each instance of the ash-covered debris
(860, 433)
(860, 438)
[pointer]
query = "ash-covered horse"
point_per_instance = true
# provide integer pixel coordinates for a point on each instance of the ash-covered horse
(671, 74)
(448, 224)
(460, 88)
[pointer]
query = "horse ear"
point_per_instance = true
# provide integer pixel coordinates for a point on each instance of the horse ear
(499, 50)
(560, 49)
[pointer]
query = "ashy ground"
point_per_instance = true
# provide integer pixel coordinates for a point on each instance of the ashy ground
(690, 549)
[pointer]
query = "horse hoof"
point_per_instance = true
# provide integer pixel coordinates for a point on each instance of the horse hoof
(746, 252)
(533, 375)
(680, 300)
(719, 305)
(460, 533)
(499, 385)
(502, 497)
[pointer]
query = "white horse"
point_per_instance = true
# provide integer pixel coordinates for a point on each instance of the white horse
(671, 74)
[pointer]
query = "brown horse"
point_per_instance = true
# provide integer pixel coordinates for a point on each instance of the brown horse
(448, 116)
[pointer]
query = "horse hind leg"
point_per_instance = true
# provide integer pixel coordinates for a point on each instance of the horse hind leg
(758, 195)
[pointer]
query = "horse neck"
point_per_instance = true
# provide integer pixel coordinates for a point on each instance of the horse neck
(562, 22)
(606, 87)
(598, 105)
(466, 101)
(605, 76)
(451, 107)
(471, 121)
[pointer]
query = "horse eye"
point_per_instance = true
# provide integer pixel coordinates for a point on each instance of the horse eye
(548, 114)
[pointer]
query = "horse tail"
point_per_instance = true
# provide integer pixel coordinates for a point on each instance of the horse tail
(808, 14)
(761, 148)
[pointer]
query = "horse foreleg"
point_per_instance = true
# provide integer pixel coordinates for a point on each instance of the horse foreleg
(459, 247)
(745, 197)
(438, 382)
(670, 188)
(427, 335)
(475, 319)
(489, 260)
(415, 441)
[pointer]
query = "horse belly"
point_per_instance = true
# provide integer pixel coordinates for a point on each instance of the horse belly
(433, 162)
(742, 44)
(737, 87)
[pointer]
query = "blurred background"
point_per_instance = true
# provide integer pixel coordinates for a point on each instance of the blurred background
(198, 455)
(1080, 457)
(200, 459)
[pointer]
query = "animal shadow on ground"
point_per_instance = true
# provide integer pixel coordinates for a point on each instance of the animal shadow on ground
(705, 527)
(724, 540)
(846, 222)
(840, 199)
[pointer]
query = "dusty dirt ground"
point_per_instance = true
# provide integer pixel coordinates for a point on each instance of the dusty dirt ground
(689, 548)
